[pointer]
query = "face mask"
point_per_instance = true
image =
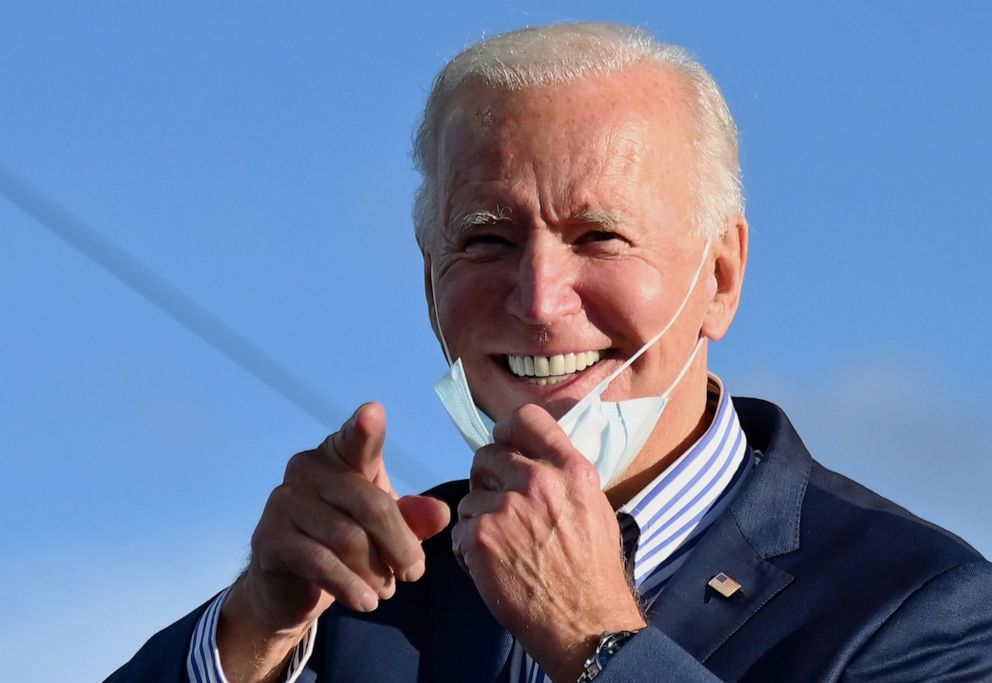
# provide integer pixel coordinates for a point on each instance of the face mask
(609, 434)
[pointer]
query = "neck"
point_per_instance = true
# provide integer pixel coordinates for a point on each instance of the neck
(685, 420)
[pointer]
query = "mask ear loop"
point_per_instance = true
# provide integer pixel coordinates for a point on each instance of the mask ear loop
(437, 315)
(651, 342)
(473, 413)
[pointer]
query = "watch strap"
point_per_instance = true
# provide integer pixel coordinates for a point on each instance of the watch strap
(610, 643)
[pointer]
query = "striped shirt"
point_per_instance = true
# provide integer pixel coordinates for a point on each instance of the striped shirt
(203, 661)
(670, 513)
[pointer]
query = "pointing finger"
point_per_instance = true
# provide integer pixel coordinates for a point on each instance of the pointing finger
(358, 444)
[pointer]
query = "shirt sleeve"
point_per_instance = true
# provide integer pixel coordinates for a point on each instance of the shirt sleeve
(203, 662)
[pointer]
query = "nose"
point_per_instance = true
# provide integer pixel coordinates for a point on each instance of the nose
(544, 291)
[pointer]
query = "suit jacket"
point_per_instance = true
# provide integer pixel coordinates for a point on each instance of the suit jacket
(838, 584)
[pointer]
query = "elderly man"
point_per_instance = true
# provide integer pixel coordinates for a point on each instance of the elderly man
(584, 240)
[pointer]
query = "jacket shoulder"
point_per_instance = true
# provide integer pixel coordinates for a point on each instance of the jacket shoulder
(837, 515)
(859, 513)
(163, 658)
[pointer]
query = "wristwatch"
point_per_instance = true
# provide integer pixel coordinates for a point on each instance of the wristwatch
(609, 645)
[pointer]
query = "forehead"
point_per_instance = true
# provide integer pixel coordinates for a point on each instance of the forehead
(624, 132)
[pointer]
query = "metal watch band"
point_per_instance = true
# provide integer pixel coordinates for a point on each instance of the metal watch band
(609, 644)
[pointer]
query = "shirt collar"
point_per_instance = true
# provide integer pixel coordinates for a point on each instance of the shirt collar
(681, 501)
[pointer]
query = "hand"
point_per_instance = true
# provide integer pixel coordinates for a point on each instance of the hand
(334, 530)
(542, 544)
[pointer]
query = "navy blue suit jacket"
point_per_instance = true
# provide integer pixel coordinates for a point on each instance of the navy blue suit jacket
(838, 584)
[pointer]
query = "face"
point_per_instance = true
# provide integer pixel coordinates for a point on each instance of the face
(564, 242)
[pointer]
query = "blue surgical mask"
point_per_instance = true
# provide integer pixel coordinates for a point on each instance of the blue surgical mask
(609, 434)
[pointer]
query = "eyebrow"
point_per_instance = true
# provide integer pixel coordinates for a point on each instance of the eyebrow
(607, 219)
(466, 221)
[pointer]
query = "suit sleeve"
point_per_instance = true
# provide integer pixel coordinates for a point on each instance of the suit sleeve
(941, 632)
(651, 655)
(163, 658)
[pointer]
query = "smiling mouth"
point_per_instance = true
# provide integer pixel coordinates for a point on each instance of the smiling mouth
(544, 370)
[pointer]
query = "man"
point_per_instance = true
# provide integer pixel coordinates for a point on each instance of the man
(584, 240)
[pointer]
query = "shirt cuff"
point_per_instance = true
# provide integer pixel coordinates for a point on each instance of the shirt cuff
(203, 662)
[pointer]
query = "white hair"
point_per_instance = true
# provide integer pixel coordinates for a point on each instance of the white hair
(563, 53)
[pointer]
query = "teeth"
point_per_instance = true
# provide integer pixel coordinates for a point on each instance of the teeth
(545, 381)
(551, 369)
(569, 363)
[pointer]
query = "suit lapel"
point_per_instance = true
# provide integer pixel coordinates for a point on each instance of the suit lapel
(760, 523)
(697, 617)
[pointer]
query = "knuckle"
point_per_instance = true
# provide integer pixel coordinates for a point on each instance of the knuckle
(590, 476)
(536, 482)
(376, 505)
(347, 538)
(410, 555)
(483, 536)
(475, 472)
(458, 533)
(297, 466)
(281, 494)
(332, 447)
(578, 468)
(277, 503)
(463, 507)
(582, 471)
(509, 503)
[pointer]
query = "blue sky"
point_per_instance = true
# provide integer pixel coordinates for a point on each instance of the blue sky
(257, 157)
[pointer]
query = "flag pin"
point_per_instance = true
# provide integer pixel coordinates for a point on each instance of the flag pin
(724, 585)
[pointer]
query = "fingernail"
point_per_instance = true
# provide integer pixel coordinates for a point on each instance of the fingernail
(369, 602)
(415, 572)
(388, 590)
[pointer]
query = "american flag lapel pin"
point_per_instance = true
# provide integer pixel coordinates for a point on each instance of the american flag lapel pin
(724, 585)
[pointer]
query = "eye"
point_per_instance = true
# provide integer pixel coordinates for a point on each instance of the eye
(600, 236)
(485, 245)
(606, 242)
(486, 239)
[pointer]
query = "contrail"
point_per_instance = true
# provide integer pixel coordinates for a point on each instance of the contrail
(190, 314)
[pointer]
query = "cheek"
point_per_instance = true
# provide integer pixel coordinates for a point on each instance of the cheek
(627, 298)
(650, 293)
(467, 298)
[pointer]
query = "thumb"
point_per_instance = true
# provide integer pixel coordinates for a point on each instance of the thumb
(424, 515)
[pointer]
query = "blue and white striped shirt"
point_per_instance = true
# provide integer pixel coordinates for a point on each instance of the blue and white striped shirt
(203, 662)
(671, 513)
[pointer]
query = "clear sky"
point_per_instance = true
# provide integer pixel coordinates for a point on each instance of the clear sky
(257, 158)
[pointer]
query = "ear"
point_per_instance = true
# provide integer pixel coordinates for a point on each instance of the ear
(729, 264)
